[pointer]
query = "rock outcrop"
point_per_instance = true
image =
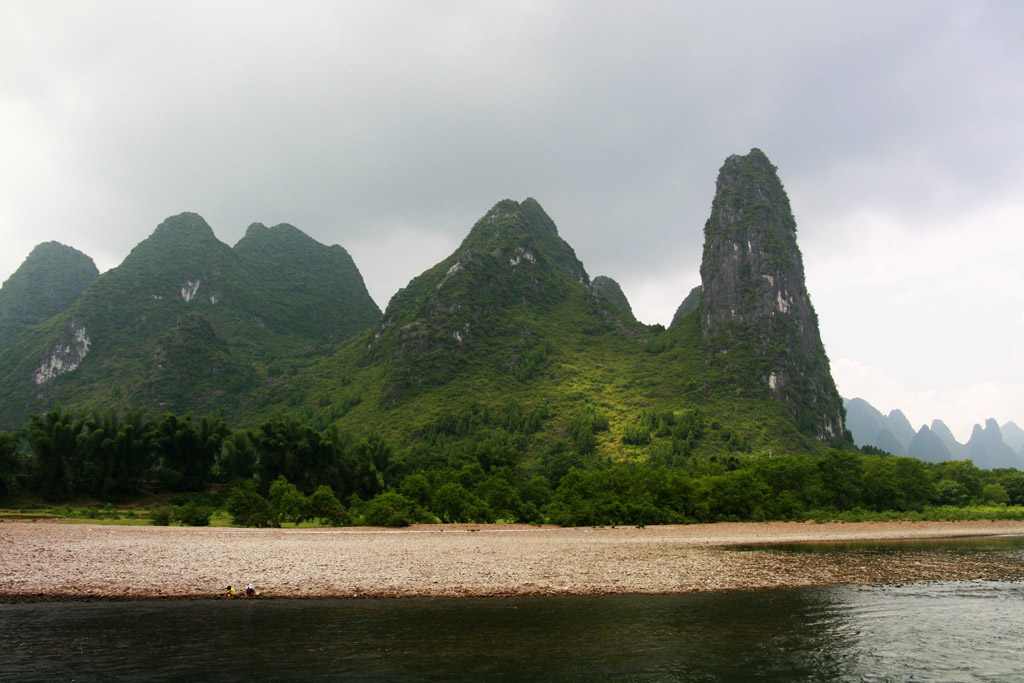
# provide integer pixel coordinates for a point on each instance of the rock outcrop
(689, 305)
(608, 289)
(755, 314)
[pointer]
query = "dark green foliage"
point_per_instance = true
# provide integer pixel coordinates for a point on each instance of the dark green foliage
(324, 506)
(292, 448)
(287, 503)
(187, 451)
(10, 464)
(55, 442)
(249, 508)
(192, 514)
(393, 510)
(116, 453)
(48, 282)
(162, 516)
(298, 275)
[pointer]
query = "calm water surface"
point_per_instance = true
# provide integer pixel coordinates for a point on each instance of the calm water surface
(970, 631)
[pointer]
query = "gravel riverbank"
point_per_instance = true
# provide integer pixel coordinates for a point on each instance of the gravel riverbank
(47, 561)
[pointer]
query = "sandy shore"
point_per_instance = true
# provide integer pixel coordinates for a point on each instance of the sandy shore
(72, 561)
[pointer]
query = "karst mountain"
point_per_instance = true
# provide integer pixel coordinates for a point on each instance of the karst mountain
(507, 343)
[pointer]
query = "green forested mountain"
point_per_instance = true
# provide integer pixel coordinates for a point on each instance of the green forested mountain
(502, 383)
(505, 348)
(50, 279)
(187, 323)
(306, 288)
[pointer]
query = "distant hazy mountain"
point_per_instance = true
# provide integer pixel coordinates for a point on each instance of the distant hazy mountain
(889, 442)
(863, 420)
(892, 433)
(900, 427)
(927, 446)
(957, 451)
(989, 447)
(1013, 436)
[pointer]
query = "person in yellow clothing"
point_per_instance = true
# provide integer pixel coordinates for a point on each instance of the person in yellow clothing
(230, 593)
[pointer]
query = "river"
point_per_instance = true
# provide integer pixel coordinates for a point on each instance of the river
(953, 631)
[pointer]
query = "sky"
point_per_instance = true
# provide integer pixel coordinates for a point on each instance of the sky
(390, 127)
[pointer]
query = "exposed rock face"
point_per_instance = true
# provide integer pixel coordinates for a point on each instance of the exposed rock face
(755, 314)
(65, 356)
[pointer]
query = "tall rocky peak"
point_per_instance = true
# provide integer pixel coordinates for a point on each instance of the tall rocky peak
(50, 280)
(182, 257)
(755, 313)
(512, 262)
(522, 232)
(512, 255)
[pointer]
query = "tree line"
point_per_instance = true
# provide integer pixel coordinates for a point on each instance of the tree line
(288, 471)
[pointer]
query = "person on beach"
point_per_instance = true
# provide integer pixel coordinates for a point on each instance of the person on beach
(250, 591)
(231, 592)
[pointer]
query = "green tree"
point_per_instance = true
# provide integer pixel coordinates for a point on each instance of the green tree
(188, 450)
(287, 503)
(842, 477)
(454, 503)
(324, 505)
(293, 448)
(55, 442)
(116, 453)
(247, 507)
(392, 509)
(10, 465)
(237, 459)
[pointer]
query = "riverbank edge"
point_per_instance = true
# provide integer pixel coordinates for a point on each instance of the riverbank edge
(704, 546)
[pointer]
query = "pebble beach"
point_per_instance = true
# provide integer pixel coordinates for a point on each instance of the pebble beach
(50, 561)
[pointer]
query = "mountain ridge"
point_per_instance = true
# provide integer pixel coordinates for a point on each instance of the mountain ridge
(986, 446)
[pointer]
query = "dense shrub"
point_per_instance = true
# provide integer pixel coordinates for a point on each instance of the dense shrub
(393, 510)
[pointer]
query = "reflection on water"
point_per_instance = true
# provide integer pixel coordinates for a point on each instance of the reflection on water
(943, 632)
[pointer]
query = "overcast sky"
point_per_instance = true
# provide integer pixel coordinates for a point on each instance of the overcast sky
(390, 127)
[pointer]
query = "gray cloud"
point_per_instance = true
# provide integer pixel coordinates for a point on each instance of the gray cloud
(389, 127)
